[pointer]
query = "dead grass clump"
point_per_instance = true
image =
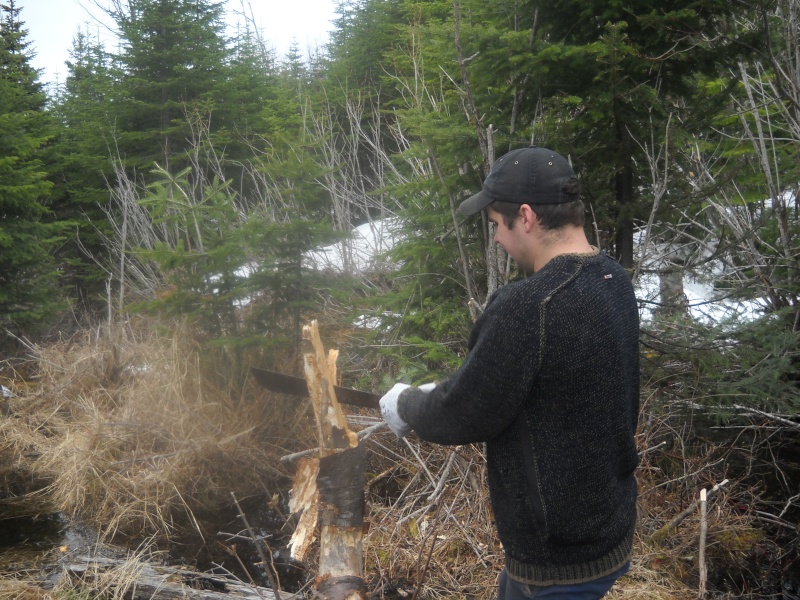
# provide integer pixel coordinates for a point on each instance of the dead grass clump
(11, 589)
(22, 436)
(111, 579)
(141, 440)
(648, 580)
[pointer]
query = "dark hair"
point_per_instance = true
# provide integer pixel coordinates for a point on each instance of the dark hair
(551, 216)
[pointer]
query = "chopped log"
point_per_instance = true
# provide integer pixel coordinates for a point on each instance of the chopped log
(320, 370)
(340, 480)
(341, 483)
(135, 580)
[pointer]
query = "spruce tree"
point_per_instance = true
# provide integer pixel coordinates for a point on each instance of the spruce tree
(81, 157)
(27, 271)
(172, 62)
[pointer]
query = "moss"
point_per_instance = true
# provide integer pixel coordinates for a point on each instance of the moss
(739, 540)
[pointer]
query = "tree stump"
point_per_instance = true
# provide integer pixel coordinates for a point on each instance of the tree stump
(329, 490)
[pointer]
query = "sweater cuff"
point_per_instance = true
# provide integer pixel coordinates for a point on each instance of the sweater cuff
(408, 397)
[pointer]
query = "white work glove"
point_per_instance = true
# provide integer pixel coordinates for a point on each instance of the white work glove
(389, 411)
(389, 408)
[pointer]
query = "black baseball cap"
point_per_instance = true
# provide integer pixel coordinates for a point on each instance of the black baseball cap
(531, 175)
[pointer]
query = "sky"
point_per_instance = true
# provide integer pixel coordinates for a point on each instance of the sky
(52, 24)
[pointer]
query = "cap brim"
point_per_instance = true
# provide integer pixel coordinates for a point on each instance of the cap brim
(475, 204)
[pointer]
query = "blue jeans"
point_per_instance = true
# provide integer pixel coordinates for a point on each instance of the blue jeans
(589, 590)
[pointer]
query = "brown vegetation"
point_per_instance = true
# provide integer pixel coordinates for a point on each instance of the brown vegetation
(134, 439)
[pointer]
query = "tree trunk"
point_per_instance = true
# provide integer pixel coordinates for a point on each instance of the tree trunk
(340, 481)
(624, 233)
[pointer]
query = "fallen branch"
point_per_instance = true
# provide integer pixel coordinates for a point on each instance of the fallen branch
(154, 582)
(767, 415)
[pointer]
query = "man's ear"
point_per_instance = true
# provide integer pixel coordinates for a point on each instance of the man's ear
(528, 217)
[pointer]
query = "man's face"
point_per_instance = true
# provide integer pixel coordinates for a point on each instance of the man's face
(515, 241)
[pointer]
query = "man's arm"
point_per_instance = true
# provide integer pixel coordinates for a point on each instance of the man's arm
(485, 395)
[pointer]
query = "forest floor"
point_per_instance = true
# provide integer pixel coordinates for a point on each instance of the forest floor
(129, 443)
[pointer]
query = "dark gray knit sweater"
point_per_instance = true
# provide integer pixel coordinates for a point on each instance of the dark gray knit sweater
(551, 384)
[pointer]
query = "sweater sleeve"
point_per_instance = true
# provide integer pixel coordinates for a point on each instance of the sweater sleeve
(485, 395)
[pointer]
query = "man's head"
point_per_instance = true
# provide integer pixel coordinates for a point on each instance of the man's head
(535, 176)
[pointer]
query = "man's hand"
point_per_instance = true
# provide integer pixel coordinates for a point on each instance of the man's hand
(389, 411)
(389, 408)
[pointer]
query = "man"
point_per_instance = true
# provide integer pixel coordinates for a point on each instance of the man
(550, 384)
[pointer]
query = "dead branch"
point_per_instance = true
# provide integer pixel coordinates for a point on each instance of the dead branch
(767, 415)
(259, 549)
(679, 518)
(702, 545)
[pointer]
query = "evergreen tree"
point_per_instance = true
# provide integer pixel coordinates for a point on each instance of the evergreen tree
(596, 82)
(292, 214)
(251, 84)
(364, 31)
(27, 271)
(172, 62)
(81, 158)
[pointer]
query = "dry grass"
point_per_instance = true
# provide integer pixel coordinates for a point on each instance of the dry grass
(11, 589)
(136, 439)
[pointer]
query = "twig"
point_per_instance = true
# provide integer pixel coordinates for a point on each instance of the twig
(442, 479)
(702, 546)
(652, 448)
(703, 468)
(768, 518)
(234, 536)
(679, 518)
(362, 435)
(789, 502)
(420, 461)
(252, 534)
(232, 550)
(420, 512)
(431, 534)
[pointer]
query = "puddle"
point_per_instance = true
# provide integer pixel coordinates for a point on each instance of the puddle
(33, 543)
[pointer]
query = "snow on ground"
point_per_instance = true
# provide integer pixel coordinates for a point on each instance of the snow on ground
(359, 253)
